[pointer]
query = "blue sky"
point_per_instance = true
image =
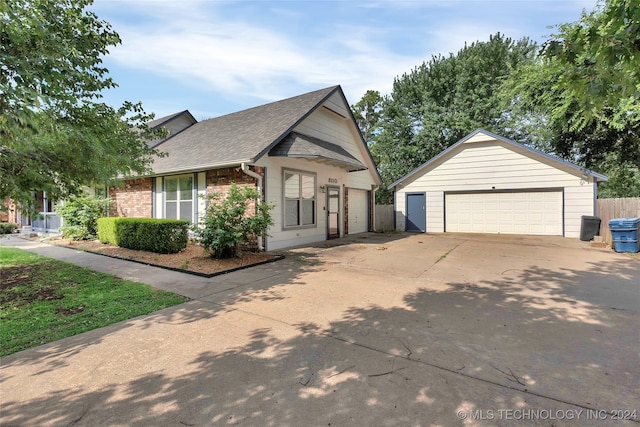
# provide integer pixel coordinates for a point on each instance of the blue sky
(217, 57)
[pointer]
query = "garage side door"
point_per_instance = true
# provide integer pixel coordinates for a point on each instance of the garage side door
(358, 211)
(534, 212)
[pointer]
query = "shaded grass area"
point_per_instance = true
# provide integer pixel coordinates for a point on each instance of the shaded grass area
(43, 300)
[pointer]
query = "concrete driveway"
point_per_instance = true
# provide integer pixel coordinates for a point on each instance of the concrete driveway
(375, 330)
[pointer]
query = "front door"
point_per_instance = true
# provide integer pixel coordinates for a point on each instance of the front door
(333, 212)
(416, 212)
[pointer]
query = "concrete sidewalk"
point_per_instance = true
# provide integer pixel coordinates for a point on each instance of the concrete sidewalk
(188, 285)
(388, 330)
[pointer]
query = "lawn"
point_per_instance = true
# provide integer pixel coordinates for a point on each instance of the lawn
(43, 300)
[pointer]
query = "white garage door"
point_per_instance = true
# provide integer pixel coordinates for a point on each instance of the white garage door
(536, 212)
(358, 211)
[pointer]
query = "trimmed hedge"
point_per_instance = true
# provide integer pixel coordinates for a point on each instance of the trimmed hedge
(107, 230)
(7, 227)
(164, 236)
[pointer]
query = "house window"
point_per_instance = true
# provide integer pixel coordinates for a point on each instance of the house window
(178, 197)
(100, 191)
(299, 199)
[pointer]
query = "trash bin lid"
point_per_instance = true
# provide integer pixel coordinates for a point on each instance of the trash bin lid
(624, 221)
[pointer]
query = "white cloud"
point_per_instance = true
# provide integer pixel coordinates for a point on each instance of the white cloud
(272, 50)
(196, 45)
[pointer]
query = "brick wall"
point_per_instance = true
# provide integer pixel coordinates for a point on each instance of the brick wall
(7, 205)
(13, 214)
(220, 180)
(133, 198)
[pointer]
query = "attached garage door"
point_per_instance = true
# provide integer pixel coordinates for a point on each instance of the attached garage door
(535, 212)
(358, 211)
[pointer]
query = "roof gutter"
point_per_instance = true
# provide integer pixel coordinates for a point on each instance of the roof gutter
(245, 169)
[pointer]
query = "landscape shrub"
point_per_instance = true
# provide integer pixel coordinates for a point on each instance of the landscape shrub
(80, 216)
(107, 230)
(226, 223)
(7, 227)
(164, 236)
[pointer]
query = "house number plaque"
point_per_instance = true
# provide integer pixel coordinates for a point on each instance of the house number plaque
(333, 180)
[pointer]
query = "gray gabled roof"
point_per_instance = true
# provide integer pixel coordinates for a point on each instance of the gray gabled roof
(533, 151)
(163, 120)
(239, 137)
(307, 147)
(166, 122)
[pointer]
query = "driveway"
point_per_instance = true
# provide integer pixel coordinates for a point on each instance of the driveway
(376, 330)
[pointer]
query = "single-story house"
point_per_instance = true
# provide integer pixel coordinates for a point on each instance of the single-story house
(45, 221)
(305, 154)
(485, 183)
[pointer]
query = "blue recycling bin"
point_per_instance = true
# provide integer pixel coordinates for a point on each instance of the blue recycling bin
(624, 232)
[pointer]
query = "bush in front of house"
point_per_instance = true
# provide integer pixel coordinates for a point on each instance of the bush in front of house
(107, 230)
(7, 228)
(164, 236)
(226, 225)
(80, 216)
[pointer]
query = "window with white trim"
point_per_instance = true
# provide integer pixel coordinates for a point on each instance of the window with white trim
(178, 197)
(299, 198)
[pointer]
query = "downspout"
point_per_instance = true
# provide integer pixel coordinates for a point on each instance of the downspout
(245, 169)
(373, 206)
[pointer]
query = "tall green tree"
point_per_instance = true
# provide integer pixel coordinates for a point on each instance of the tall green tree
(440, 101)
(585, 88)
(367, 113)
(600, 60)
(55, 134)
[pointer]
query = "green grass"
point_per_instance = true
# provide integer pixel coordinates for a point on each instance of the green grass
(43, 300)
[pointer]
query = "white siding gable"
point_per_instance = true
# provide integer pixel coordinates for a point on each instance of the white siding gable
(333, 124)
(479, 137)
(337, 105)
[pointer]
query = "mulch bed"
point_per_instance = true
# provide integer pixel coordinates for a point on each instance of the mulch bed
(193, 259)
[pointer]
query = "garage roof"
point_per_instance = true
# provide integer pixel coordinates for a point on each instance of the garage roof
(531, 151)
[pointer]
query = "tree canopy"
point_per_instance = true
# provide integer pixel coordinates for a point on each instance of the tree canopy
(367, 113)
(600, 61)
(585, 85)
(55, 134)
(440, 101)
(577, 97)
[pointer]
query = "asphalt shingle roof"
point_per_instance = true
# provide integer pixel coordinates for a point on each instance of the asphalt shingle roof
(244, 136)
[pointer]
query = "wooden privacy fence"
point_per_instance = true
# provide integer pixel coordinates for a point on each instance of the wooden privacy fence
(384, 217)
(628, 207)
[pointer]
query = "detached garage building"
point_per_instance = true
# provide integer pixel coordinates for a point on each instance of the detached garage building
(489, 184)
